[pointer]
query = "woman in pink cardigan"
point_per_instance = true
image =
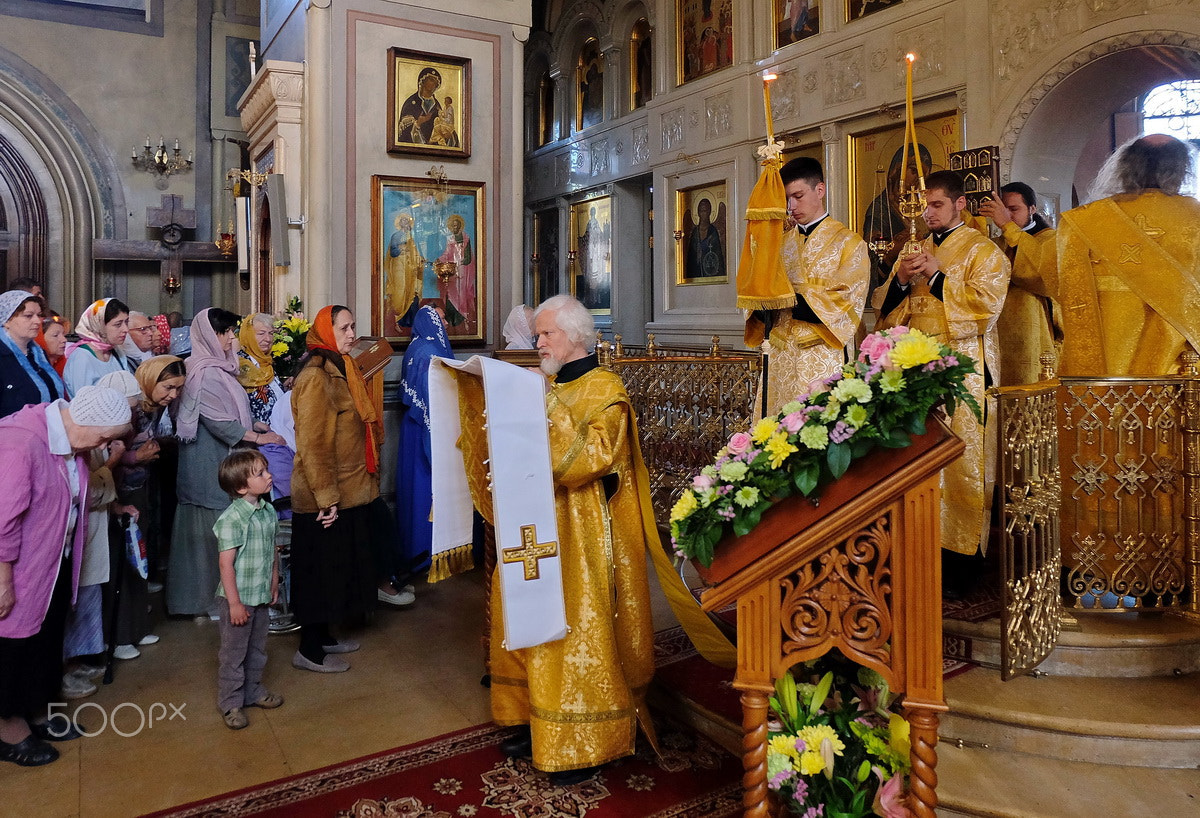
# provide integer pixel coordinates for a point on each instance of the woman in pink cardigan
(41, 549)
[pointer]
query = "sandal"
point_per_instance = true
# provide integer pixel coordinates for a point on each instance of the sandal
(32, 752)
(269, 701)
(56, 729)
(235, 719)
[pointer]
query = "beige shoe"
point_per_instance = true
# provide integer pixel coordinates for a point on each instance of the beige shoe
(235, 719)
(269, 701)
(331, 664)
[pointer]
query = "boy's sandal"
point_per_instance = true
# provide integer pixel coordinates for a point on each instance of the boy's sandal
(235, 719)
(32, 752)
(268, 702)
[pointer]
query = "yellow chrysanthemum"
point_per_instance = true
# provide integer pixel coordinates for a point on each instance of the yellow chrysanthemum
(684, 506)
(914, 349)
(785, 746)
(278, 348)
(778, 448)
(811, 763)
(898, 735)
(814, 734)
(764, 429)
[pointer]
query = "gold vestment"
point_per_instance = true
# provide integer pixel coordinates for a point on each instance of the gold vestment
(1029, 324)
(976, 281)
(831, 271)
(1129, 284)
(584, 695)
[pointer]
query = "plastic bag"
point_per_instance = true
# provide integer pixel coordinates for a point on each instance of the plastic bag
(135, 549)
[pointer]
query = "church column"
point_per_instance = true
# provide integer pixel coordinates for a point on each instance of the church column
(564, 99)
(616, 85)
(318, 285)
(837, 197)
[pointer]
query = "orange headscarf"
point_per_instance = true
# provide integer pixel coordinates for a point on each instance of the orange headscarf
(321, 336)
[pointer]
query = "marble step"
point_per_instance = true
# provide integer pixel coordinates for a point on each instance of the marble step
(1143, 722)
(1107, 645)
(990, 783)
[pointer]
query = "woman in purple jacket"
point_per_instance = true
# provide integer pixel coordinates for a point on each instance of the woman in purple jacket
(41, 549)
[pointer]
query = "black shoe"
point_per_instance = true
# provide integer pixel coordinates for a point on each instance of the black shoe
(32, 752)
(569, 778)
(57, 728)
(519, 744)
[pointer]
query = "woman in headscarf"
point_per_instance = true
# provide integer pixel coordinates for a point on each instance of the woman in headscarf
(414, 480)
(214, 415)
(518, 328)
(343, 537)
(161, 379)
(270, 405)
(102, 330)
(53, 341)
(26, 375)
(162, 335)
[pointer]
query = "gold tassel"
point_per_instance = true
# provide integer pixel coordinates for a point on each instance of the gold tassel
(448, 563)
(746, 302)
(766, 213)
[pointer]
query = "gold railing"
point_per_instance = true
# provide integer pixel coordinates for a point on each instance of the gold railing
(1130, 460)
(1029, 497)
(688, 400)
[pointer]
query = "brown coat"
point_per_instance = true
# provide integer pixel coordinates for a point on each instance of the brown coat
(330, 466)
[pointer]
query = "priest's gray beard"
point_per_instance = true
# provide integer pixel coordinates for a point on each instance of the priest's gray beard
(550, 365)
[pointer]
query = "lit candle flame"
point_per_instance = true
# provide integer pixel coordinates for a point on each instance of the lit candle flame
(769, 76)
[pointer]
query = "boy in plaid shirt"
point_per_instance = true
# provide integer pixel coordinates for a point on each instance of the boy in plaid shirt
(249, 585)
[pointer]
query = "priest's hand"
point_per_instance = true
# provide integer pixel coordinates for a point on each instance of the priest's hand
(995, 210)
(916, 267)
(327, 516)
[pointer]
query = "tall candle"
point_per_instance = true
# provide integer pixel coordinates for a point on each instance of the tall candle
(768, 78)
(910, 58)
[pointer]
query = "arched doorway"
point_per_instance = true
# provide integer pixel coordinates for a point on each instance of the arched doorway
(1069, 123)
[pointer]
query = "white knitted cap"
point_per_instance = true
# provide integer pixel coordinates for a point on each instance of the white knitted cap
(123, 382)
(99, 406)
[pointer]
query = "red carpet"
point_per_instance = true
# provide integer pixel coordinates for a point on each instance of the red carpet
(465, 774)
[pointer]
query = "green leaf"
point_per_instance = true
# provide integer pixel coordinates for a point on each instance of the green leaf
(838, 457)
(915, 425)
(821, 693)
(806, 478)
(897, 439)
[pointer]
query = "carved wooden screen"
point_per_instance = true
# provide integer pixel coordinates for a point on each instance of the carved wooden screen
(1029, 491)
(1129, 465)
(688, 403)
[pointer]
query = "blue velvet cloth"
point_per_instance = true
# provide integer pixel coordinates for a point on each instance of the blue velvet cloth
(414, 491)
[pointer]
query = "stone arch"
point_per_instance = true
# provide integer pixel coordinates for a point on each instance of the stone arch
(539, 61)
(582, 21)
(64, 156)
(1047, 127)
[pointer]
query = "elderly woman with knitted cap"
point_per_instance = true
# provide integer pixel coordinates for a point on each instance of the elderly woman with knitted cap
(26, 374)
(43, 510)
(214, 415)
(102, 330)
(343, 536)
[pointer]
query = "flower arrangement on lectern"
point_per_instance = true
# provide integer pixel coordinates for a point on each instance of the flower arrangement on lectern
(291, 339)
(881, 399)
(836, 747)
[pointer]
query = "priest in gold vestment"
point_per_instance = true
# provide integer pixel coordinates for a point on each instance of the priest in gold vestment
(1030, 324)
(577, 702)
(954, 288)
(829, 270)
(1129, 266)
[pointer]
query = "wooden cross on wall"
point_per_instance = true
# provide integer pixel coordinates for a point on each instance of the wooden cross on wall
(171, 251)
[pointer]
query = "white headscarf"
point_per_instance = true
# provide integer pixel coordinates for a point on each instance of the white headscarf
(517, 332)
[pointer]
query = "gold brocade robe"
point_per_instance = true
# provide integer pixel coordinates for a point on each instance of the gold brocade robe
(582, 694)
(831, 271)
(976, 281)
(1129, 284)
(1029, 324)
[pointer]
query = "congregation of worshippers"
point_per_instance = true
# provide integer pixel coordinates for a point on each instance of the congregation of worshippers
(144, 456)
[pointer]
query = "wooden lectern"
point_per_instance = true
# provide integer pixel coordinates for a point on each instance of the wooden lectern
(859, 570)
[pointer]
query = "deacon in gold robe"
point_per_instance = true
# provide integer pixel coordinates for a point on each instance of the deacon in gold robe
(954, 289)
(1129, 266)
(1030, 323)
(577, 701)
(829, 270)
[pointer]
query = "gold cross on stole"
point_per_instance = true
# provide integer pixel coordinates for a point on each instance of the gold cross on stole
(530, 551)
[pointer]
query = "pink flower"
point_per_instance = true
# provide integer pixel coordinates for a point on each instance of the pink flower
(794, 421)
(702, 482)
(739, 443)
(897, 331)
(890, 800)
(875, 347)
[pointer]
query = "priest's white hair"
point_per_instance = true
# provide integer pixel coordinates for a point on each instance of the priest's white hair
(1151, 162)
(572, 318)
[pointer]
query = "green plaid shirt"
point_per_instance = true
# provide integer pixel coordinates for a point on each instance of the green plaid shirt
(251, 530)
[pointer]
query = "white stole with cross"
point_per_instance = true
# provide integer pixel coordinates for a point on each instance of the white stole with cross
(522, 486)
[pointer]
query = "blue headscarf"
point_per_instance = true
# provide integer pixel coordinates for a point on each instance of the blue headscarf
(11, 301)
(428, 341)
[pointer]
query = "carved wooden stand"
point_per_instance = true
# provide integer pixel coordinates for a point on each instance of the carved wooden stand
(860, 572)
